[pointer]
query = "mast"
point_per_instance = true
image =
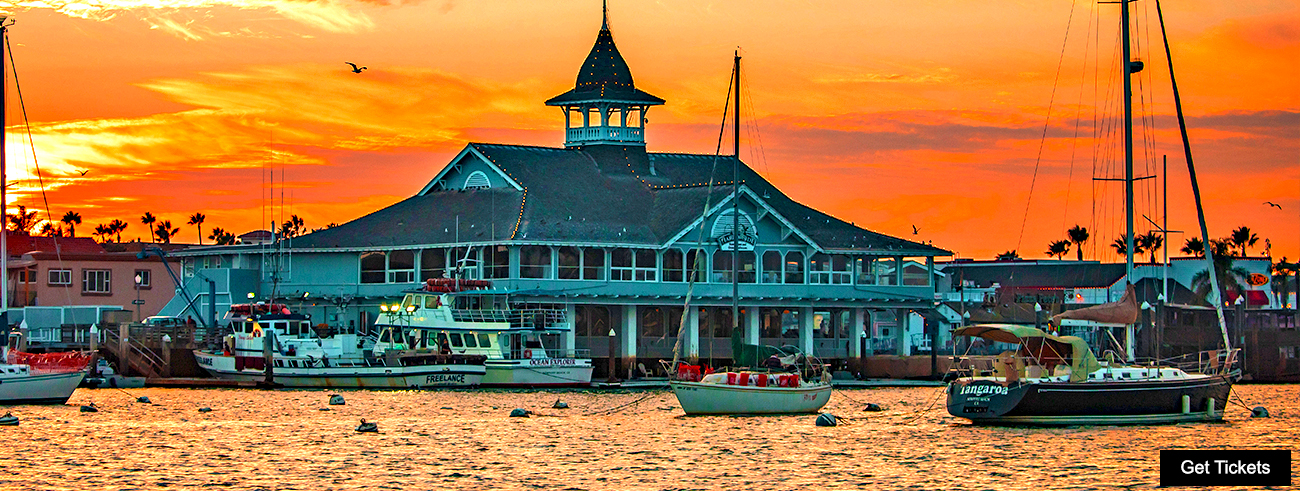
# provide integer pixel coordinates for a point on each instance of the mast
(1128, 140)
(735, 207)
(1217, 299)
(4, 203)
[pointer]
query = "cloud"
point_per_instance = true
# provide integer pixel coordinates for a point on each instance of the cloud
(178, 16)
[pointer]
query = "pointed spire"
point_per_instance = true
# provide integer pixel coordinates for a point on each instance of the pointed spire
(604, 15)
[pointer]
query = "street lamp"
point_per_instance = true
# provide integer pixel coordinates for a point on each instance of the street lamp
(138, 280)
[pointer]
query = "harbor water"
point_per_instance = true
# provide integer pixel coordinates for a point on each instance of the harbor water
(285, 439)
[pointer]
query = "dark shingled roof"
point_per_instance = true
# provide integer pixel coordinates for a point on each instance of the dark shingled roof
(1036, 274)
(604, 76)
(595, 194)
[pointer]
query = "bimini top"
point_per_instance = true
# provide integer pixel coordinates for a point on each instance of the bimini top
(1040, 345)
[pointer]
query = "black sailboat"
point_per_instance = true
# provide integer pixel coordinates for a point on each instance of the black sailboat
(1056, 380)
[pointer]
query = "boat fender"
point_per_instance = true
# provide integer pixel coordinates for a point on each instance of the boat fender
(143, 400)
(1259, 412)
(528, 354)
(519, 413)
(205, 410)
(873, 407)
(89, 408)
(337, 400)
(826, 419)
(365, 427)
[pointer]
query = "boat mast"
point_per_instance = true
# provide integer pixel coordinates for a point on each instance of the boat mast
(1128, 140)
(735, 207)
(1217, 297)
(4, 203)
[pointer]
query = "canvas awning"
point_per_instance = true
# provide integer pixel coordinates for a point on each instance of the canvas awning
(1082, 361)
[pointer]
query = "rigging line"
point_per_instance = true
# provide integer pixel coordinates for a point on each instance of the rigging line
(756, 137)
(1074, 142)
(1046, 124)
(698, 250)
(22, 104)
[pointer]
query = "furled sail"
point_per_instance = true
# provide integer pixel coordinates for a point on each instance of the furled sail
(1125, 311)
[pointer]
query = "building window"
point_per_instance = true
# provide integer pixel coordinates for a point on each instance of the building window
(864, 267)
(570, 263)
(652, 322)
(620, 264)
(496, 262)
(401, 267)
(593, 264)
(697, 265)
(673, 270)
(840, 274)
(722, 266)
(772, 267)
(60, 276)
(27, 275)
(646, 265)
(373, 265)
(466, 263)
(433, 264)
(794, 267)
(145, 277)
(477, 180)
(96, 281)
(819, 269)
(535, 262)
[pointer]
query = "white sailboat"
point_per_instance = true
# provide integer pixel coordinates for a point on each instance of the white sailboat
(24, 383)
(794, 383)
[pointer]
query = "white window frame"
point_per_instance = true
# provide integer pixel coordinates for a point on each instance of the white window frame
(102, 284)
(66, 274)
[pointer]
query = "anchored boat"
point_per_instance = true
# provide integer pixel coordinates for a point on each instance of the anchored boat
(521, 341)
(271, 344)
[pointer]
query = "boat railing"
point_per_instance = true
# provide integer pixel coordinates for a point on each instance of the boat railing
(1210, 362)
(518, 318)
(550, 353)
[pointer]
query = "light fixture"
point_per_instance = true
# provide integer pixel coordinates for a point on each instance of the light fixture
(251, 295)
(611, 333)
(383, 307)
(410, 308)
(1038, 307)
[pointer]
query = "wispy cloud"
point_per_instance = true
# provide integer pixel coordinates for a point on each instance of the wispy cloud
(178, 16)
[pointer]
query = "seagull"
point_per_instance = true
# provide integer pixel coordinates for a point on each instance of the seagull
(355, 68)
(83, 173)
(915, 230)
(1275, 205)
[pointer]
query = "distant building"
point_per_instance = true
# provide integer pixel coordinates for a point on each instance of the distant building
(609, 229)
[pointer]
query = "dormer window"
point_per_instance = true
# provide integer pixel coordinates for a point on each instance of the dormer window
(477, 180)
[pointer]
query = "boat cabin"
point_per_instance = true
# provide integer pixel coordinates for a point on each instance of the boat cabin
(474, 322)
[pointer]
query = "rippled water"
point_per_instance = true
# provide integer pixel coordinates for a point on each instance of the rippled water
(465, 440)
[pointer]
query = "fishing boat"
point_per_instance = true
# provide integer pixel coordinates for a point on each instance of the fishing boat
(27, 378)
(270, 344)
(520, 341)
(788, 382)
(1056, 380)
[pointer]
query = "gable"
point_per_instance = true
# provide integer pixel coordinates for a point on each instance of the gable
(470, 169)
(766, 226)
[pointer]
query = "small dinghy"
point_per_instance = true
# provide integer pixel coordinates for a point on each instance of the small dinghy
(367, 427)
(8, 420)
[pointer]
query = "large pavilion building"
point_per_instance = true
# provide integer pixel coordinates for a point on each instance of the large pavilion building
(608, 229)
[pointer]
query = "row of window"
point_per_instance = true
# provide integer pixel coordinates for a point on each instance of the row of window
(92, 280)
(716, 322)
(623, 264)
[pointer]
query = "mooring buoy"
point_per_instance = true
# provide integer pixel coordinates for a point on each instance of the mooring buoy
(205, 410)
(367, 427)
(1259, 412)
(519, 413)
(873, 407)
(89, 408)
(826, 419)
(337, 400)
(143, 399)
(560, 405)
(8, 420)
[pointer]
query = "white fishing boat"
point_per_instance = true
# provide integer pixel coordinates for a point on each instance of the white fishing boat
(272, 345)
(53, 378)
(788, 383)
(522, 342)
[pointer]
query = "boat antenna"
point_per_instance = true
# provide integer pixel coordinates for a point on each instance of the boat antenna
(1217, 295)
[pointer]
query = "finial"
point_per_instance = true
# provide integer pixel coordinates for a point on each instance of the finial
(604, 15)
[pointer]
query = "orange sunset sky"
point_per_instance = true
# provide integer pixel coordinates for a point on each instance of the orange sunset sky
(888, 114)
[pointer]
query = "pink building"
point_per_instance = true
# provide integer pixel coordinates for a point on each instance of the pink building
(58, 271)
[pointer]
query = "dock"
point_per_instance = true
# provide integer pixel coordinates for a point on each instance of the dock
(198, 383)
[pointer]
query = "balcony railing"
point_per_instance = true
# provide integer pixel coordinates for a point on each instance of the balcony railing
(626, 134)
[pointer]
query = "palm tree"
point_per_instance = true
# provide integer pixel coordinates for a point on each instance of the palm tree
(1010, 255)
(1058, 248)
(1231, 278)
(1282, 271)
(1078, 235)
(1150, 242)
(117, 227)
(1221, 247)
(292, 227)
(221, 237)
(165, 232)
(1194, 246)
(103, 231)
(23, 221)
(197, 220)
(49, 229)
(148, 219)
(73, 219)
(1121, 246)
(1242, 237)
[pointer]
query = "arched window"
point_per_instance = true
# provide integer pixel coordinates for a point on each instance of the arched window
(840, 273)
(819, 269)
(794, 267)
(673, 267)
(373, 265)
(570, 263)
(433, 263)
(620, 264)
(535, 262)
(771, 267)
(477, 180)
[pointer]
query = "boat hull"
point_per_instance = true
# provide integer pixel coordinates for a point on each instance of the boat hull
(702, 398)
(53, 388)
(539, 372)
(1090, 403)
(360, 377)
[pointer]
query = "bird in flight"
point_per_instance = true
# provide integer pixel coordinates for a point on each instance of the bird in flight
(915, 230)
(355, 68)
(1275, 205)
(83, 173)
